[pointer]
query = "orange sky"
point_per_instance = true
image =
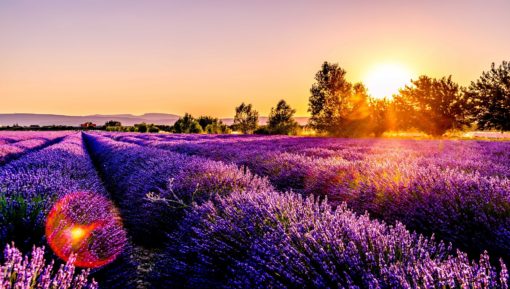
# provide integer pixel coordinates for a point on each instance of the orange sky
(205, 57)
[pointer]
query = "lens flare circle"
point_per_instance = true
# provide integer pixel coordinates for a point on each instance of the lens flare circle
(88, 226)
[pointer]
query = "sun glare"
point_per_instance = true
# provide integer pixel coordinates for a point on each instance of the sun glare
(385, 80)
(77, 233)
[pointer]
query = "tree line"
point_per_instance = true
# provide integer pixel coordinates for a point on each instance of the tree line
(341, 108)
(431, 105)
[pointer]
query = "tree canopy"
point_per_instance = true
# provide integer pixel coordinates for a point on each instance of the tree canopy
(187, 124)
(246, 118)
(489, 98)
(212, 125)
(431, 105)
(281, 119)
(337, 107)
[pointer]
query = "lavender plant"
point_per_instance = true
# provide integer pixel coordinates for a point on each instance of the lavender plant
(31, 272)
(14, 145)
(164, 184)
(273, 240)
(458, 191)
(32, 184)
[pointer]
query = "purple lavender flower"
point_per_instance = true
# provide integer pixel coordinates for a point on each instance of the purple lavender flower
(30, 272)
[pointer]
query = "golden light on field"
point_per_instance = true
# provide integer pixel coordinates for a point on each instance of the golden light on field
(384, 80)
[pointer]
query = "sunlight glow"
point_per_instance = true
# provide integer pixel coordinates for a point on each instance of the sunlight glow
(385, 80)
(77, 233)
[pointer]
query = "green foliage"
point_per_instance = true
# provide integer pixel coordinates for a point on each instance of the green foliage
(141, 127)
(328, 96)
(112, 123)
(152, 128)
(217, 128)
(213, 125)
(21, 220)
(338, 107)
(187, 124)
(489, 98)
(380, 116)
(246, 118)
(281, 120)
(431, 105)
(204, 121)
(263, 129)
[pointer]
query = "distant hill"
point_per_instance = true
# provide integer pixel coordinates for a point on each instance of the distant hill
(26, 119)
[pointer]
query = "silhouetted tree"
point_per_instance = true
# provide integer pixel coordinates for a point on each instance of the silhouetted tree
(338, 107)
(152, 128)
(380, 116)
(206, 120)
(141, 127)
(246, 118)
(187, 124)
(328, 98)
(112, 123)
(212, 125)
(431, 105)
(217, 128)
(489, 98)
(281, 119)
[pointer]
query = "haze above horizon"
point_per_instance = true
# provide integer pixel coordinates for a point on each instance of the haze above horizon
(205, 57)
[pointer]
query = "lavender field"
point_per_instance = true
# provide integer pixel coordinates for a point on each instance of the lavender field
(132, 210)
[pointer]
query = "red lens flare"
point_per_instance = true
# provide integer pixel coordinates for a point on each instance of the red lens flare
(87, 225)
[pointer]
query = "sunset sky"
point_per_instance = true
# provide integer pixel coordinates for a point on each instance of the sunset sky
(205, 57)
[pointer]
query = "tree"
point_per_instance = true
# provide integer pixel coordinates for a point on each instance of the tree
(217, 128)
(431, 105)
(281, 119)
(380, 116)
(246, 118)
(337, 107)
(328, 97)
(112, 123)
(141, 127)
(187, 124)
(489, 98)
(204, 121)
(212, 125)
(152, 128)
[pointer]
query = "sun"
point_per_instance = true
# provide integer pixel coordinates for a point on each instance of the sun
(385, 80)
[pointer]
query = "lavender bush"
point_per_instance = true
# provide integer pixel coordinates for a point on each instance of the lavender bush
(164, 184)
(18, 271)
(273, 240)
(459, 191)
(14, 145)
(30, 186)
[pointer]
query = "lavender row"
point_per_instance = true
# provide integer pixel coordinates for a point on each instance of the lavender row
(426, 189)
(267, 239)
(15, 145)
(483, 157)
(30, 185)
(7, 137)
(253, 237)
(154, 188)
